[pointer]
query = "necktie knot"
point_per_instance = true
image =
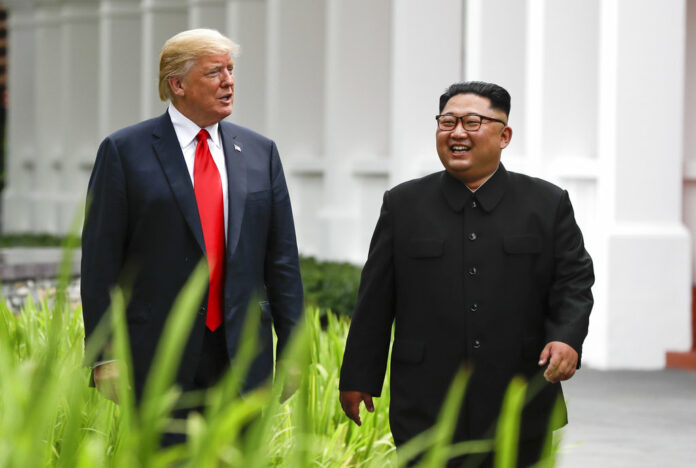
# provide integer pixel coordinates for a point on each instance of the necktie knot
(203, 135)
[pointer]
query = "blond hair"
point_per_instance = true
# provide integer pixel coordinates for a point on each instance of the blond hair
(181, 51)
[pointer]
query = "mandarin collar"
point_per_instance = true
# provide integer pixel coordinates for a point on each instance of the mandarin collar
(488, 195)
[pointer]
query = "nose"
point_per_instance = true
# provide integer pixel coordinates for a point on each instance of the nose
(227, 78)
(458, 129)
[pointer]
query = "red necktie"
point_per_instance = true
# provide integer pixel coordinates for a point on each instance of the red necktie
(208, 189)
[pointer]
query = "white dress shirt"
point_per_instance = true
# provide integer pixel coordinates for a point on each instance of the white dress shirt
(186, 132)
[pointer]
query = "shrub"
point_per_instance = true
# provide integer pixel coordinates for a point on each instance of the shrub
(330, 285)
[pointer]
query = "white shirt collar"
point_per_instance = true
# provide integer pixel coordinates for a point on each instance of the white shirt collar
(186, 130)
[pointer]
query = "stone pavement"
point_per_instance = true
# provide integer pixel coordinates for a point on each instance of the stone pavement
(630, 419)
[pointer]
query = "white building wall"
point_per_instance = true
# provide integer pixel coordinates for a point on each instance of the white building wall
(348, 89)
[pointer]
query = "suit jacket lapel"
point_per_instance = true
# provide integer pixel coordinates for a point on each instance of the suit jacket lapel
(237, 183)
(168, 151)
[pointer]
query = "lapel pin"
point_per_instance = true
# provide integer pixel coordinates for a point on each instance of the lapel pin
(237, 147)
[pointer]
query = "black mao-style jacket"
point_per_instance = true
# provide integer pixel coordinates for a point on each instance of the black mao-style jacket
(479, 280)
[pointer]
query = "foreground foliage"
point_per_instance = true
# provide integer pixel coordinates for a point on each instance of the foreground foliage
(50, 417)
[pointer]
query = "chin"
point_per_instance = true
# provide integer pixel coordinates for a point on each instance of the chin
(459, 166)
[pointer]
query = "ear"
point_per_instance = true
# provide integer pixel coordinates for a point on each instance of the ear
(176, 85)
(505, 137)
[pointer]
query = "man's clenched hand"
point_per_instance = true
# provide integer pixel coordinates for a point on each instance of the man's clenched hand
(562, 359)
(350, 402)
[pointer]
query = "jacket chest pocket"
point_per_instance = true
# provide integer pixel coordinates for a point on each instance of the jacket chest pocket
(520, 256)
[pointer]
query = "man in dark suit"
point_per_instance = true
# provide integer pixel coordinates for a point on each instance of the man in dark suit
(165, 193)
(477, 267)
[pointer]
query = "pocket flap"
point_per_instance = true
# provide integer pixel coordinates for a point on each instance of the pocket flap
(522, 244)
(408, 351)
(419, 248)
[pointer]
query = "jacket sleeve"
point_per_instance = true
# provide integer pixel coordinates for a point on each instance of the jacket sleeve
(367, 346)
(282, 267)
(570, 297)
(103, 235)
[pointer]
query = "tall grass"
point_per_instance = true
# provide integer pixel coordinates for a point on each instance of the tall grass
(49, 416)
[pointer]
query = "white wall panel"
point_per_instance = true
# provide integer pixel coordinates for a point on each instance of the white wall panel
(603, 104)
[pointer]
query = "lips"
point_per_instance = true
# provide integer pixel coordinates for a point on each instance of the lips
(225, 98)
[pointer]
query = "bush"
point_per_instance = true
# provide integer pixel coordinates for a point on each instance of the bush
(330, 285)
(30, 240)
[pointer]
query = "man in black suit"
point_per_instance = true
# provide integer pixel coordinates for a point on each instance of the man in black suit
(165, 193)
(478, 267)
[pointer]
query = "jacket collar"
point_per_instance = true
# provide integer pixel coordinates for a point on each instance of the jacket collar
(488, 195)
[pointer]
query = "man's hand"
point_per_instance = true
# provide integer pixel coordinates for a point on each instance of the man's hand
(562, 359)
(350, 402)
(106, 380)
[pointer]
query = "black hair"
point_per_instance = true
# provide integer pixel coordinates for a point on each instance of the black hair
(499, 97)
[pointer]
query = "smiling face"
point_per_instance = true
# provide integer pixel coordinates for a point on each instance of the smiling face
(472, 156)
(205, 94)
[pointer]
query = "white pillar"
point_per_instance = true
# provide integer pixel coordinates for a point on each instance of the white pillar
(294, 111)
(49, 114)
(643, 270)
(161, 19)
(120, 80)
(77, 98)
(562, 102)
(690, 133)
(207, 14)
(496, 39)
(21, 143)
(247, 24)
(423, 65)
(356, 116)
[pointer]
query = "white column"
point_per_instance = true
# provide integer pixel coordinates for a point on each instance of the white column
(643, 270)
(690, 133)
(18, 208)
(356, 117)
(562, 102)
(120, 81)
(294, 105)
(207, 14)
(496, 40)
(423, 65)
(49, 116)
(161, 19)
(78, 98)
(562, 118)
(247, 23)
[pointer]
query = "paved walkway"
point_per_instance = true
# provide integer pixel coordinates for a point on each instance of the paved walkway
(630, 419)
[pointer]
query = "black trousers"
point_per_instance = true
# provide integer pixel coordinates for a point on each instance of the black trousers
(528, 453)
(212, 365)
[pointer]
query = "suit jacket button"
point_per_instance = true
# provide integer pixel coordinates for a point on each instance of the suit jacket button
(474, 307)
(473, 271)
(474, 204)
(472, 236)
(477, 344)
